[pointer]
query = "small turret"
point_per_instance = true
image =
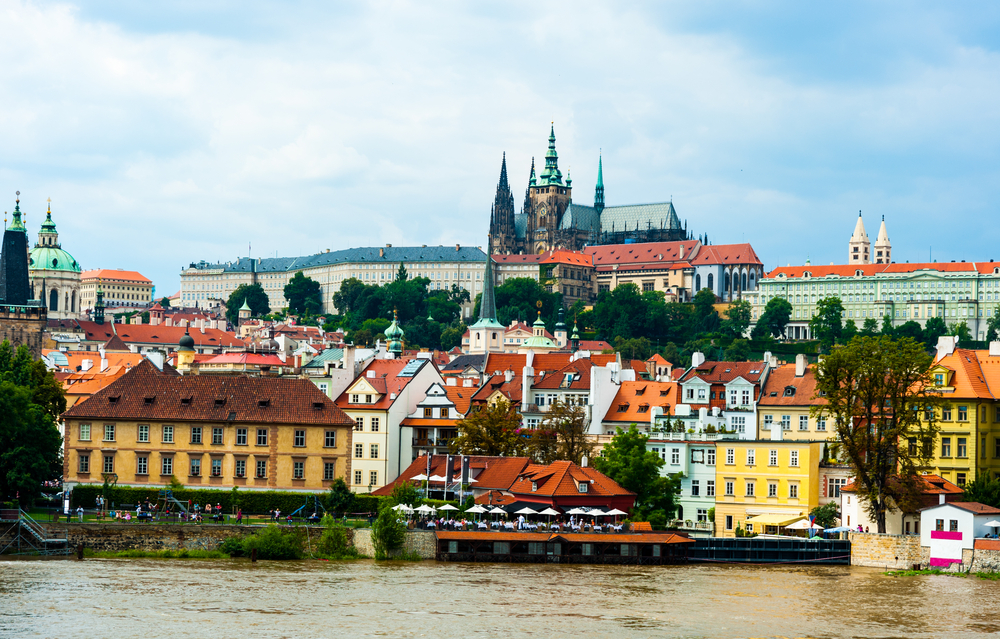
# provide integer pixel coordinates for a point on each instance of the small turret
(99, 307)
(394, 335)
(560, 330)
(883, 248)
(599, 191)
(185, 351)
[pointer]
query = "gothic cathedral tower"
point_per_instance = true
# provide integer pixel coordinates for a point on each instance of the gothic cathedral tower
(549, 197)
(502, 216)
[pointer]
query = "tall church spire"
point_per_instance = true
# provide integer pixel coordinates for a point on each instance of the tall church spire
(599, 191)
(859, 246)
(551, 175)
(502, 215)
(488, 305)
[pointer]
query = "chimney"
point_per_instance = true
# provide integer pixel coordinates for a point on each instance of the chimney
(697, 359)
(508, 375)
(945, 346)
(86, 365)
(941, 499)
(994, 349)
(457, 247)
(680, 253)
(381, 252)
(800, 365)
(168, 322)
(772, 361)
(527, 381)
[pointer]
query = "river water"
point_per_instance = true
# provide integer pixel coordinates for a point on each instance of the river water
(119, 598)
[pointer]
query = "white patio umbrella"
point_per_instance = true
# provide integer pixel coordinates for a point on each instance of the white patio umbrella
(803, 524)
(447, 507)
(436, 478)
(477, 509)
(498, 511)
(596, 512)
(576, 511)
(420, 477)
(616, 512)
(526, 511)
(425, 509)
(402, 507)
(549, 512)
(992, 524)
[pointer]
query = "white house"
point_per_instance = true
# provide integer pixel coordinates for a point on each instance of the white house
(949, 529)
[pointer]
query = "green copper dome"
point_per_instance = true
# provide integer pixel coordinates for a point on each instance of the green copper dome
(50, 258)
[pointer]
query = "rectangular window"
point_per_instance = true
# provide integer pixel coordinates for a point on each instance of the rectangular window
(710, 488)
(963, 413)
(356, 399)
(328, 471)
(835, 485)
(428, 413)
(330, 439)
(960, 479)
(84, 463)
(373, 478)
(793, 491)
(359, 451)
(750, 489)
(675, 456)
(711, 457)
(85, 433)
(195, 467)
(196, 434)
(374, 451)
(261, 468)
(751, 457)
(142, 465)
(241, 437)
(216, 436)
(768, 421)
(952, 525)
(357, 477)
(786, 422)
(946, 446)
(374, 424)
(793, 458)
(298, 470)
(262, 437)
(961, 448)
(109, 432)
(946, 414)
(772, 459)
(803, 422)
(729, 522)
(216, 467)
(300, 439)
(730, 488)
(695, 488)
(167, 466)
(938, 524)
(240, 468)
(772, 489)
(168, 434)
(745, 397)
(730, 455)
(359, 424)
(911, 445)
(996, 447)
(109, 463)
(821, 423)
(142, 435)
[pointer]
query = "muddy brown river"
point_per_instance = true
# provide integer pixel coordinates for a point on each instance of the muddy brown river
(218, 599)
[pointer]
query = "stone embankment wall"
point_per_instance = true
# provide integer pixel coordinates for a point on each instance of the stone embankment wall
(890, 552)
(987, 556)
(418, 542)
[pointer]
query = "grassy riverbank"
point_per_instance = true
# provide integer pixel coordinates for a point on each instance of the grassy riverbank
(183, 553)
(990, 576)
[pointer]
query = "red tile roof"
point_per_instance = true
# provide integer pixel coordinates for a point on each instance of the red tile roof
(461, 396)
(634, 400)
(561, 479)
(113, 274)
(652, 252)
(597, 345)
(782, 377)
(146, 393)
(580, 380)
(511, 390)
(573, 258)
(848, 270)
(489, 472)
(726, 254)
(385, 381)
(933, 485)
(976, 507)
(725, 372)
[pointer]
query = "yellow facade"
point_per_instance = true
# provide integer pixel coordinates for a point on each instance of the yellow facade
(764, 478)
(206, 455)
(796, 423)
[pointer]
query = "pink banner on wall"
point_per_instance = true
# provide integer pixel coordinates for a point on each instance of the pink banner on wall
(946, 534)
(941, 562)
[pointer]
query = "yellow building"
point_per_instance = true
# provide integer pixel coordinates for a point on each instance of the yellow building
(121, 288)
(761, 485)
(968, 441)
(207, 431)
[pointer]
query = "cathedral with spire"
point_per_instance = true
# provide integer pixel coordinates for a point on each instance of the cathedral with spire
(550, 220)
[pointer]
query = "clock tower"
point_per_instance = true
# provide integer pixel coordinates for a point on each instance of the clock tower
(549, 197)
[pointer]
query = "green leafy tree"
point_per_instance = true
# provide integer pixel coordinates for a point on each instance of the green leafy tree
(827, 324)
(401, 274)
(452, 336)
(773, 319)
(388, 529)
(165, 302)
(910, 329)
(635, 348)
(253, 295)
(569, 425)
(985, 489)
(849, 332)
(350, 294)
(542, 445)
(876, 389)
(303, 295)
(738, 351)
(340, 499)
(887, 328)
(492, 431)
(30, 446)
(934, 328)
(737, 319)
(870, 327)
(706, 317)
(627, 461)
(992, 326)
(961, 331)
(826, 515)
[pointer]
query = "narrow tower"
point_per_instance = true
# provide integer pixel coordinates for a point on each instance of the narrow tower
(883, 248)
(599, 191)
(486, 335)
(502, 214)
(859, 247)
(14, 288)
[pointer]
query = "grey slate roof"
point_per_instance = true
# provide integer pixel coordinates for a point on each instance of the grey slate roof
(461, 362)
(521, 224)
(327, 355)
(622, 218)
(388, 254)
(578, 216)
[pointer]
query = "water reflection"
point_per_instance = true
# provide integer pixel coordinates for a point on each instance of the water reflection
(196, 598)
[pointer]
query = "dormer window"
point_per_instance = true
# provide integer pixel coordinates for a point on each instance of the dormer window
(263, 403)
(622, 408)
(643, 408)
(939, 379)
(583, 487)
(148, 400)
(220, 402)
(185, 401)
(534, 486)
(789, 391)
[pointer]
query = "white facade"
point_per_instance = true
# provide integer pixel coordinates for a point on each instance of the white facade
(949, 529)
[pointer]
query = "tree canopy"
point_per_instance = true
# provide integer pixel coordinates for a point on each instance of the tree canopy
(492, 431)
(627, 461)
(30, 446)
(773, 319)
(253, 295)
(827, 324)
(303, 295)
(877, 390)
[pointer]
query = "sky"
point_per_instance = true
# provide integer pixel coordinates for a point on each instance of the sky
(172, 132)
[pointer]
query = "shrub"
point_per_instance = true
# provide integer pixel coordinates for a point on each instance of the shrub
(232, 546)
(274, 543)
(388, 532)
(333, 544)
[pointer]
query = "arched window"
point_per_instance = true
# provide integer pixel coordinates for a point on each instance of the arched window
(711, 281)
(66, 302)
(53, 300)
(697, 282)
(744, 280)
(72, 302)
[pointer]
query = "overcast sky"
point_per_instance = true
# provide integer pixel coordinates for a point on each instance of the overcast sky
(167, 133)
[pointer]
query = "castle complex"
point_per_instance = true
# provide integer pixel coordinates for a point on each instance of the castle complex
(549, 219)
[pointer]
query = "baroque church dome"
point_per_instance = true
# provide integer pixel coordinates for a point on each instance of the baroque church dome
(48, 255)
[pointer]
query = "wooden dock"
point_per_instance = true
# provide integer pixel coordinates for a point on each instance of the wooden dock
(568, 548)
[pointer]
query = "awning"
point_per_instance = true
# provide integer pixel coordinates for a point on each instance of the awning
(774, 520)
